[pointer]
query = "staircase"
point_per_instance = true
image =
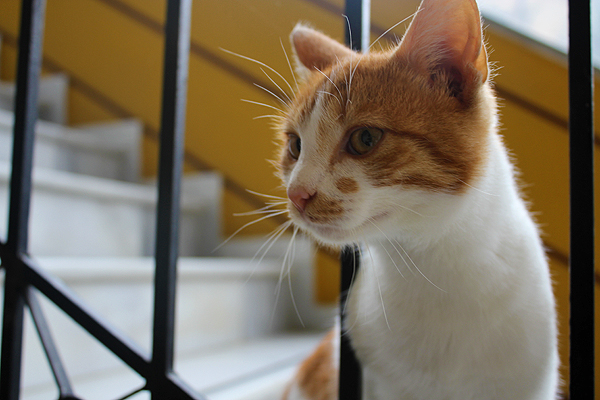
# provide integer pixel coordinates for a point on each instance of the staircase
(92, 226)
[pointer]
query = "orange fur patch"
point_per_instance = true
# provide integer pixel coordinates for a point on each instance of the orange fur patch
(317, 377)
(433, 140)
(347, 185)
(322, 209)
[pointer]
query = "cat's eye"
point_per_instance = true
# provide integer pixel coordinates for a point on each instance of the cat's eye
(362, 140)
(294, 146)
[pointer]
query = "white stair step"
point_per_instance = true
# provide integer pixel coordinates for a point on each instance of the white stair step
(309, 314)
(220, 302)
(253, 370)
(247, 370)
(77, 215)
(52, 97)
(107, 150)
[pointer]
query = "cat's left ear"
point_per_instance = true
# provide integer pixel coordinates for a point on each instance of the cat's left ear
(315, 50)
(446, 35)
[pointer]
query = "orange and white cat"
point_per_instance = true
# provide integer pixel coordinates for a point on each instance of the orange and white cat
(399, 152)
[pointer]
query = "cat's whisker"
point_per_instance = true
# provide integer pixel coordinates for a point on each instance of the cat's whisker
(280, 229)
(264, 105)
(354, 270)
(374, 270)
(334, 85)
(330, 94)
(371, 45)
(271, 239)
(388, 31)
(264, 210)
(273, 214)
(272, 94)
(418, 269)
(387, 252)
(276, 203)
(403, 259)
(287, 262)
(259, 63)
(477, 189)
(411, 210)
(345, 80)
(278, 87)
(269, 196)
(289, 63)
(349, 85)
(289, 275)
(272, 116)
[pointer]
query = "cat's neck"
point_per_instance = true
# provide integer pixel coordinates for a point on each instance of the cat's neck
(466, 240)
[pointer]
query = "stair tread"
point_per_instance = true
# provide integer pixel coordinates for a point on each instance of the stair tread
(74, 183)
(122, 268)
(247, 370)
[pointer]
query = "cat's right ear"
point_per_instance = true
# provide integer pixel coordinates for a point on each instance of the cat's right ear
(315, 51)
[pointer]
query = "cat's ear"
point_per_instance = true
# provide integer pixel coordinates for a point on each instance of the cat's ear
(314, 50)
(446, 36)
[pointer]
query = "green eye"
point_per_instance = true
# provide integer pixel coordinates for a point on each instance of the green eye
(363, 140)
(294, 146)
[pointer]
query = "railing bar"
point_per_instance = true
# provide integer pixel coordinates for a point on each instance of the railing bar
(12, 333)
(43, 329)
(117, 343)
(581, 153)
(176, 56)
(350, 382)
(28, 70)
(358, 16)
(133, 393)
(358, 13)
(179, 389)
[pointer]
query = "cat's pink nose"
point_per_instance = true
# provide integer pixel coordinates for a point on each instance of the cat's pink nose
(300, 197)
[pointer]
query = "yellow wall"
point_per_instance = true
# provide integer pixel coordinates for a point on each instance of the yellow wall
(112, 50)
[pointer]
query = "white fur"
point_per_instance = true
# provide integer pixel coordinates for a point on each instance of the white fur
(477, 321)
(454, 298)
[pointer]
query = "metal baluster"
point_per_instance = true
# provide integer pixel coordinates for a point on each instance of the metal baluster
(581, 153)
(58, 371)
(350, 383)
(29, 64)
(175, 75)
(350, 376)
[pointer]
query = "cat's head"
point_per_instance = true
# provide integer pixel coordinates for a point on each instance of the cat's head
(375, 142)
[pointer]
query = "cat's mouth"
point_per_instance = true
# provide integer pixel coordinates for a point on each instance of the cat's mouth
(341, 232)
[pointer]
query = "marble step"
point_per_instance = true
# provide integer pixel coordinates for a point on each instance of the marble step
(221, 302)
(108, 150)
(52, 97)
(78, 215)
(256, 369)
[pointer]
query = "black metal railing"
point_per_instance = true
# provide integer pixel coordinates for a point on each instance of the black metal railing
(581, 159)
(24, 280)
(350, 377)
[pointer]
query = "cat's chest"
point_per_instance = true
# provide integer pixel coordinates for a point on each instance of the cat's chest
(402, 319)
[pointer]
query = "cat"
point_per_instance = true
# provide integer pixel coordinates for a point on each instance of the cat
(398, 152)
